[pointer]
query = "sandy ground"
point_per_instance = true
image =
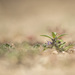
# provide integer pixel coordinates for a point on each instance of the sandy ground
(61, 64)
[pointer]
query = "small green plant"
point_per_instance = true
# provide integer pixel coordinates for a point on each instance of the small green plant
(56, 42)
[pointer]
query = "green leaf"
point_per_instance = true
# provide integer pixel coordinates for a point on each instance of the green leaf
(61, 35)
(46, 36)
(44, 45)
(62, 45)
(68, 47)
(7, 45)
(54, 34)
(60, 41)
(36, 45)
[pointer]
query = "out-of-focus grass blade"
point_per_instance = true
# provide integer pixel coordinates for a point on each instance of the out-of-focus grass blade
(62, 45)
(54, 34)
(46, 36)
(36, 45)
(61, 35)
(68, 47)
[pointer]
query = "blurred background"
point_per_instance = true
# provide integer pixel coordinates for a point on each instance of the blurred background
(26, 20)
(21, 18)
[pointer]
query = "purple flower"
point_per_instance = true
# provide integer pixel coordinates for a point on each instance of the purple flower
(49, 42)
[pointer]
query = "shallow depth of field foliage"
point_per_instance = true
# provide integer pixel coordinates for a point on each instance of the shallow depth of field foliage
(56, 42)
(20, 50)
(52, 55)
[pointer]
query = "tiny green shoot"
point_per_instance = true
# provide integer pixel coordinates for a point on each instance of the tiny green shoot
(57, 43)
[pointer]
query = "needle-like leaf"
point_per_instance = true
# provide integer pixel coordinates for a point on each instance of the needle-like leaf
(68, 47)
(46, 36)
(61, 35)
